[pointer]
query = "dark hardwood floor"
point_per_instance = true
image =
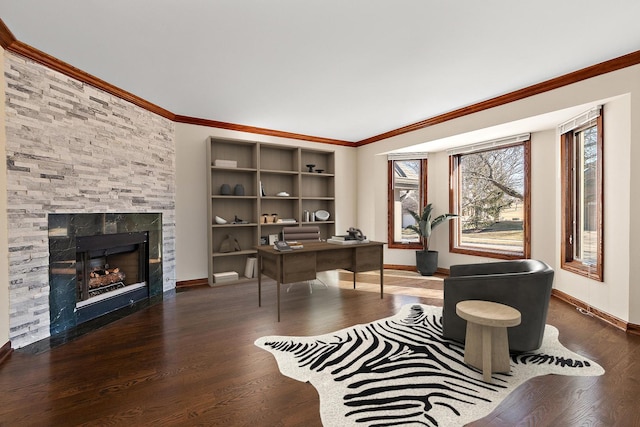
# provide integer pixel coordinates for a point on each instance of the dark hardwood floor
(191, 361)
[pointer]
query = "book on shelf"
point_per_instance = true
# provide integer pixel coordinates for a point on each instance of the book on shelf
(225, 163)
(250, 268)
(286, 221)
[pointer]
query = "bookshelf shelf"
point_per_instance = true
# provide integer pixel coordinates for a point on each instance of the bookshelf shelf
(271, 168)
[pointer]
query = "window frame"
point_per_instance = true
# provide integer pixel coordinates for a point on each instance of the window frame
(455, 228)
(392, 244)
(569, 203)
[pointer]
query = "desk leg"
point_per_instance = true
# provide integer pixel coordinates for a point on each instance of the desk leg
(354, 280)
(279, 268)
(381, 278)
(259, 281)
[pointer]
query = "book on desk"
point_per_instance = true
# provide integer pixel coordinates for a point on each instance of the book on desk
(336, 240)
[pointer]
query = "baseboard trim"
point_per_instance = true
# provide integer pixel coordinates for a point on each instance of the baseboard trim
(193, 282)
(399, 267)
(5, 351)
(633, 329)
(442, 271)
(595, 312)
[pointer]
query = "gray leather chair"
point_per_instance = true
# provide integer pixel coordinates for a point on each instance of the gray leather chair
(522, 284)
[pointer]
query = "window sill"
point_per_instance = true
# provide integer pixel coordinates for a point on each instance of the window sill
(398, 245)
(584, 270)
(488, 254)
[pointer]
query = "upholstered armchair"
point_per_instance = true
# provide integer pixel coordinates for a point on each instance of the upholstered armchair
(522, 284)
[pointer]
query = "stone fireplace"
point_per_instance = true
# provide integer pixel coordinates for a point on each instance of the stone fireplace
(80, 162)
(101, 262)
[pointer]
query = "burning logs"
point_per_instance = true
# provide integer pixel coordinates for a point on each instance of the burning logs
(102, 277)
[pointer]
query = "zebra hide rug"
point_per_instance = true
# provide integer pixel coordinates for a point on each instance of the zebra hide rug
(399, 371)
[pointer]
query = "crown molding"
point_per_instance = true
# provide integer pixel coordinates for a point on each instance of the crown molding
(257, 130)
(548, 85)
(6, 36)
(10, 43)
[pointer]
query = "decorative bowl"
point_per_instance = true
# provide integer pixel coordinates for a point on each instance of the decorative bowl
(322, 215)
(220, 220)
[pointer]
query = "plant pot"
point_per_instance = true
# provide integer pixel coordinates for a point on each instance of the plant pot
(427, 262)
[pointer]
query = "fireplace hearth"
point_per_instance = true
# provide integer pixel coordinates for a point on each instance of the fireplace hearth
(100, 263)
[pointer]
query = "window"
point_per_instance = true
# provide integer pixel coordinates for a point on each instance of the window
(407, 191)
(490, 193)
(582, 196)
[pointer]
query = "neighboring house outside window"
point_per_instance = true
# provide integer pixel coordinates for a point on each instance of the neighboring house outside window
(582, 248)
(407, 181)
(490, 192)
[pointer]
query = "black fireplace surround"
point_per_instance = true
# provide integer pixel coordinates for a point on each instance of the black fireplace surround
(140, 232)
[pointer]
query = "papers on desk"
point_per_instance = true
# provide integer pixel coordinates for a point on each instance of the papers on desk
(346, 242)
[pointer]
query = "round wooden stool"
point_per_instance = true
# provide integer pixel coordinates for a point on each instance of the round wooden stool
(486, 342)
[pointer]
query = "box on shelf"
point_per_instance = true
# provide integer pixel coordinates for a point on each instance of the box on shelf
(225, 276)
(225, 163)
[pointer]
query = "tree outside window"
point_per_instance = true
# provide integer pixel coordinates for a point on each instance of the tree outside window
(407, 191)
(490, 193)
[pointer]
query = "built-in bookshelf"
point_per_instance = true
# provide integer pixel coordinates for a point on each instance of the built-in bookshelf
(253, 187)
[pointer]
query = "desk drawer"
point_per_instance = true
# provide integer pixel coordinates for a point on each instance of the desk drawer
(367, 258)
(335, 259)
(270, 266)
(297, 267)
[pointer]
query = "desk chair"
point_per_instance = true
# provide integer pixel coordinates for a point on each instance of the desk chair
(303, 234)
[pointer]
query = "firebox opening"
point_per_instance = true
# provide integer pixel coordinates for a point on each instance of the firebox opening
(110, 265)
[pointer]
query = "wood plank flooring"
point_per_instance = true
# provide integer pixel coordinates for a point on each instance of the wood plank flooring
(191, 361)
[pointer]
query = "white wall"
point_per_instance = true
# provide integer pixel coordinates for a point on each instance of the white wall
(192, 198)
(634, 207)
(618, 294)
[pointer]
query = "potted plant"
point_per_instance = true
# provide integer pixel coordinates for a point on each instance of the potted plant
(426, 260)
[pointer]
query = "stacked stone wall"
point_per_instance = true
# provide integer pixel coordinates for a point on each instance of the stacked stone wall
(72, 148)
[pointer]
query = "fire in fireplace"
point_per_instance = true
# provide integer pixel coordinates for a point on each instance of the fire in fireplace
(110, 264)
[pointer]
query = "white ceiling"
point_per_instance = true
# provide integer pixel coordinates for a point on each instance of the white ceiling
(340, 69)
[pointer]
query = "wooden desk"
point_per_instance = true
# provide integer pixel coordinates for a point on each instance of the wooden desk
(303, 264)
